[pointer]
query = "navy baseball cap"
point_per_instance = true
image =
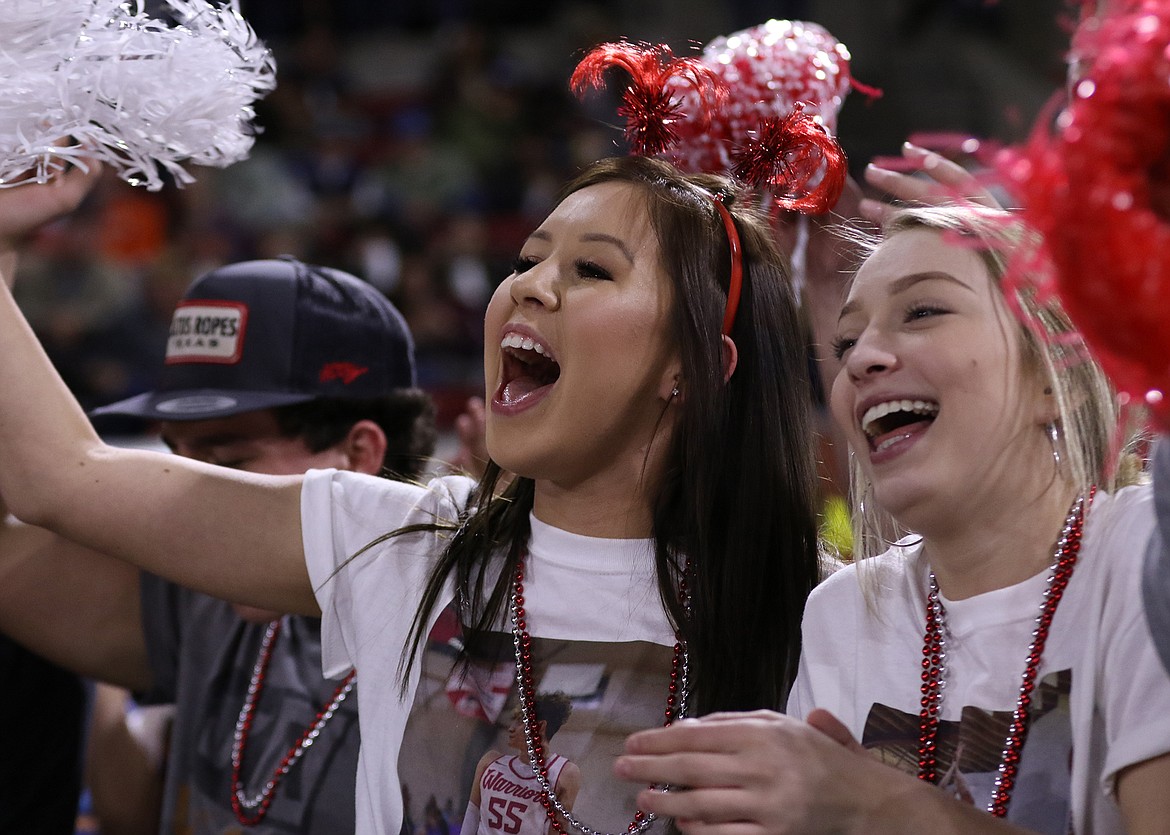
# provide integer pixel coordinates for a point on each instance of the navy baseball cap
(260, 334)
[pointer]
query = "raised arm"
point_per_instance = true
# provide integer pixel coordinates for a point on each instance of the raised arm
(231, 534)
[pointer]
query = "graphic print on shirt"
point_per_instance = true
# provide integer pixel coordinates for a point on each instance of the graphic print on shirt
(466, 710)
(509, 795)
(970, 749)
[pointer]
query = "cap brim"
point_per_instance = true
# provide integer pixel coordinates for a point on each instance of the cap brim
(199, 404)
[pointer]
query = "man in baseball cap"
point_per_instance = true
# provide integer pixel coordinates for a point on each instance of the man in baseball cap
(276, 367)
(263, 334)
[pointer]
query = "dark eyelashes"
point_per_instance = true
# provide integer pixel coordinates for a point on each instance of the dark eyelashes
(522, 264)
(591, 270)
(919, 311)
(840, 345)
(586, 269)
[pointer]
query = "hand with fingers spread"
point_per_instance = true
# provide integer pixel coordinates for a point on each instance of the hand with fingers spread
(946, 182)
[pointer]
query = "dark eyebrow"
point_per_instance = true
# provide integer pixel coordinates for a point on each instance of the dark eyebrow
(591, 237)
(610, 239)
(904, 283)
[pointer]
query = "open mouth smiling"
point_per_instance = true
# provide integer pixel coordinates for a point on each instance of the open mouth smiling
(888, 422)
(528, 368)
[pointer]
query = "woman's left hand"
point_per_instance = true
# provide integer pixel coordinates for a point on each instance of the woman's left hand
(753, 774)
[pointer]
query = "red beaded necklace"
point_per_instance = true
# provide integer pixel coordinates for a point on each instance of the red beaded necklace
(1064, 558)
(251, 810)
(676, 706)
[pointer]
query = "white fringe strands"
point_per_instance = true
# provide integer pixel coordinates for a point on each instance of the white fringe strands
(103, 80)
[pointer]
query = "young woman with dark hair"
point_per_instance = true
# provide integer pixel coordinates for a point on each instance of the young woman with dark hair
(720, 469)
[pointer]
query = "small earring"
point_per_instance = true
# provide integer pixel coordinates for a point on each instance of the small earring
(1053, 432)
(674, 391)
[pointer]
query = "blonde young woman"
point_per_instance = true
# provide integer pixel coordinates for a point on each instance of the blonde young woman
(1000, 652)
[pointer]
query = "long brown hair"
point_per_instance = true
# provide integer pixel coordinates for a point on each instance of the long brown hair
(738, 495)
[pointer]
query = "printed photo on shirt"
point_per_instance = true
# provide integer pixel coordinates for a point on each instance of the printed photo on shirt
(465, 749)
(969, 753)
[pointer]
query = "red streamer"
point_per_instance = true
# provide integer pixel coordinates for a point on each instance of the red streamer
(796, 160)
(649, 106)
(732, 111)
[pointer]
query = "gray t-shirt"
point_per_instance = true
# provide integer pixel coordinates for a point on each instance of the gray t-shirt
(203, 655)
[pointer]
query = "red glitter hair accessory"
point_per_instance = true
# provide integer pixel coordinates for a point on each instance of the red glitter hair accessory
(756, 106)
(649, 105)
(796, 160)
(1097, 186)
(769, 69)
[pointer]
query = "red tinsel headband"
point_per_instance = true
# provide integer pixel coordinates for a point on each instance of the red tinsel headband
(794, 162)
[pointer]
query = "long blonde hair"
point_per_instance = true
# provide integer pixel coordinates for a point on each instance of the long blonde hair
(1092, 449)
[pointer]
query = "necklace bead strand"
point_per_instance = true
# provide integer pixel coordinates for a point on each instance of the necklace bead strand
(933, 683)
(1068, 546)
(1067, 549)
(250, 811)
(676, 705)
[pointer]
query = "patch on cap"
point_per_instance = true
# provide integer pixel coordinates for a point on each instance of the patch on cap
(207, 331)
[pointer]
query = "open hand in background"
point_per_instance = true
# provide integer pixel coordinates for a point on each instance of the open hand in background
(945, 181)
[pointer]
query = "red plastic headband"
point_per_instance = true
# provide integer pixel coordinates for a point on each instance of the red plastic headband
(735, 281)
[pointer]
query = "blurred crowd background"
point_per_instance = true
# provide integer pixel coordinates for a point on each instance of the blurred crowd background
(416, 144)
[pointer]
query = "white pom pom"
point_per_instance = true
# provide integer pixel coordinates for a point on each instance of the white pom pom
(99, 79)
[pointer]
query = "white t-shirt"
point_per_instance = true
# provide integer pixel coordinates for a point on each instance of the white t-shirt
(1156, 570)
(1102, 701)
(594, 612)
